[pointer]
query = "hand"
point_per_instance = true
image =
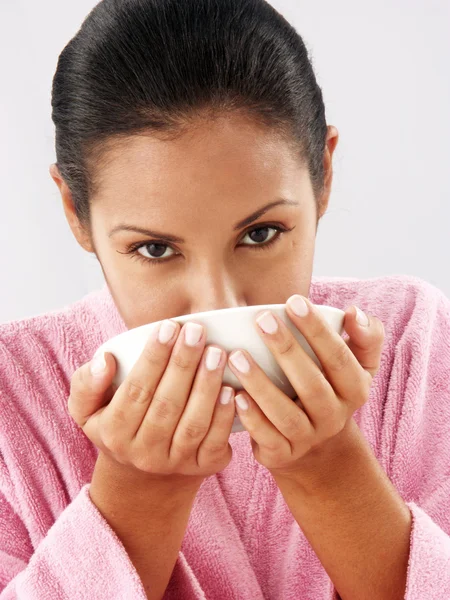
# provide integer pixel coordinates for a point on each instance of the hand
(282, 434)
(154, 421)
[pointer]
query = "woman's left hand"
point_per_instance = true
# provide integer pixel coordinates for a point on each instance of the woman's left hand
(282, 434)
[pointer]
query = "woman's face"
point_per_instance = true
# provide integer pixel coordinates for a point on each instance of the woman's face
(207, 191)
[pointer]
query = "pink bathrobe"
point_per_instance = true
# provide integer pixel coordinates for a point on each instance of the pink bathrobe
(241, 541)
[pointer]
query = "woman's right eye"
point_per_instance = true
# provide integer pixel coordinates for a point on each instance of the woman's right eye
(154, 251)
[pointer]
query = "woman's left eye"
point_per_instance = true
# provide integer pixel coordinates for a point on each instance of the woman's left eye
(260, 235)
(259, 238)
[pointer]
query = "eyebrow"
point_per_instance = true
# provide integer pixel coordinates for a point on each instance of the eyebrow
(177, 240)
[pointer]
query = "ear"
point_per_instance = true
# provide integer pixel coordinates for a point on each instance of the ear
(331, 143)
(80, 233)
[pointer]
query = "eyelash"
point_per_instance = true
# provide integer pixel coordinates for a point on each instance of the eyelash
(132, 249)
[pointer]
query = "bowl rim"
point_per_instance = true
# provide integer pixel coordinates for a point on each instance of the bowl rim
(337, 311)
(152, 324)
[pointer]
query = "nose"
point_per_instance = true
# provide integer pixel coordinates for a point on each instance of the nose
(213, 289)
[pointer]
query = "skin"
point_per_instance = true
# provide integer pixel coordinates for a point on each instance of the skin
(198, 187)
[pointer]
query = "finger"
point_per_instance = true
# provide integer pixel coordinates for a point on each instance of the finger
(317, 395)
(347, 377)
(172, 393)
(221, 425)
(366, 341)
(88, 391)
(195, 421)
(262, 431)
(121, 419)
(279, 409)
(222, 420)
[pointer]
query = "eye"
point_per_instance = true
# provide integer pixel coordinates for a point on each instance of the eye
(259, 236)
(155, 252)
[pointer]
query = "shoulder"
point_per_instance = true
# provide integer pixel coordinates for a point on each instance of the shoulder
(408, 306)
(65, 335)
(42, 448)
(39, 354)
(374, 292)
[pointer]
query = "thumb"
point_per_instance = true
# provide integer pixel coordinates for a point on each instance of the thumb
(91, 387)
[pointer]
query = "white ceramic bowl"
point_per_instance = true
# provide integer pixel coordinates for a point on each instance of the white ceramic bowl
(229, 328)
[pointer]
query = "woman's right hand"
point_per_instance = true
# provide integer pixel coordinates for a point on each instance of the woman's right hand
(165, 419)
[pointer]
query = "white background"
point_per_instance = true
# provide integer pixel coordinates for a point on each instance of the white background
(384, 68)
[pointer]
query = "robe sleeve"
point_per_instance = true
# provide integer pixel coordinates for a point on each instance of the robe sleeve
(80, 558)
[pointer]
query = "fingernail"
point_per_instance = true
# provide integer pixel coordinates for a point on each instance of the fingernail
(166, 331)
(298, 306)
(361, 317)
(193, 333)
(267, 322)
(98, 364)
(213, 356)
(240, 362)
(225, 395)
(241, 402)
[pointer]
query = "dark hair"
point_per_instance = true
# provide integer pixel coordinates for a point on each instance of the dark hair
(154, 66)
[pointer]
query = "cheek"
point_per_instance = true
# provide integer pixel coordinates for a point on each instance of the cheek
(293, 271)
(277, 280)
(300, 255)
(144, 302)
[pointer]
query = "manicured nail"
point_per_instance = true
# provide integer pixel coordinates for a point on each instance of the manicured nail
(240, 362)
(98, 364)
(267, 322)
(225, 395)
(298, 306)
(166, 331)
(241, 402)
(193, 333)
(361, 317)
(213, 356)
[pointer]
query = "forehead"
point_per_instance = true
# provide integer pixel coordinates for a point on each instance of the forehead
(223, 163)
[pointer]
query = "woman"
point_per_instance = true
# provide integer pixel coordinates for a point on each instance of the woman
(195, 162)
